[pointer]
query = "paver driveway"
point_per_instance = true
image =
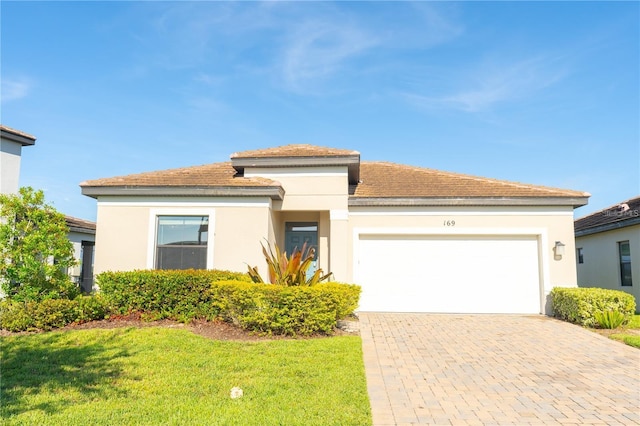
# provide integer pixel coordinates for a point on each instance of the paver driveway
(496, 370)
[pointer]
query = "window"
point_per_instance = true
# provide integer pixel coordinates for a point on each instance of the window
(182, 242)
(579, 255)
(624, 252)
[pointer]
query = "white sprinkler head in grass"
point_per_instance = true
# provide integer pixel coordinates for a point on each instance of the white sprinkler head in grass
(236, 392)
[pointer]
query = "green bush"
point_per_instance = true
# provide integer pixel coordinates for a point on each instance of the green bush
(230, 296)
(275, 309)
(50, 313)
(580, 305)
(161, 294)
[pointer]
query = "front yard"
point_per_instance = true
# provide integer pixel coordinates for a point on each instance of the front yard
(629, 334)
(159, 375)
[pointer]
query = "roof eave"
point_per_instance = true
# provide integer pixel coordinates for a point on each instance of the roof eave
(275, 193)
(608, 227)
(22, 138)
(352, 162)
(82, 230)
(467, 201)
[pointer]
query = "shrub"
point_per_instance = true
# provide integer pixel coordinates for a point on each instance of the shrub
(275, 309)
(579, 305)
(230, 296)
(50, 313)
(609, 319)
(165, 294)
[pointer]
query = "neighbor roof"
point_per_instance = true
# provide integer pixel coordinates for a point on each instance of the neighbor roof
(15, 135)
(384, 183)
(626, 213)
(80, 225)
(371, 183)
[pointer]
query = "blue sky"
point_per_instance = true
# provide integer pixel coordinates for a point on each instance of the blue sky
(543, 92)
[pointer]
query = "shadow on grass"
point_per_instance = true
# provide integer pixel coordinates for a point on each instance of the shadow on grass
(59, 365)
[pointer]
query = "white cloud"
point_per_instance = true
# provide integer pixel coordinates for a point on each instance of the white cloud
(496, 83)
(318, 50)
(14, 89)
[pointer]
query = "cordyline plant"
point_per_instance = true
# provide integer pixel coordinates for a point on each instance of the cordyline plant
(289, 270)
(34, 249)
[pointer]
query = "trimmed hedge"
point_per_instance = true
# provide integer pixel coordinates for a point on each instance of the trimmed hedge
(580, 305)
(161, 294)
(50, 313)
(232, 297)
(275, 309)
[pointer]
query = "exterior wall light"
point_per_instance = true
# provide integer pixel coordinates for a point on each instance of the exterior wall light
(559, 249)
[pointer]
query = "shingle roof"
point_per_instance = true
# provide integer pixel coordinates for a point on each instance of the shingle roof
(207, 175)
(378, 182)
(388, 180)
(17, 135)
(623, 214)
(80, 225)
(295, 150)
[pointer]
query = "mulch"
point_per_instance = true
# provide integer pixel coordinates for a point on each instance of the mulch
(215, 330)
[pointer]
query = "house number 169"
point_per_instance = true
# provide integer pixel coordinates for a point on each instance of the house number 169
(449, 223)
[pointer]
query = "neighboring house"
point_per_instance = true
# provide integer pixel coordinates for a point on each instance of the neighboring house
(608, 248)
(82, 235)
(415, 239)
(11, 143)
(81, 232)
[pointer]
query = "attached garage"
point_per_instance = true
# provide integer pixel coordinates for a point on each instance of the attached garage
(452, 274)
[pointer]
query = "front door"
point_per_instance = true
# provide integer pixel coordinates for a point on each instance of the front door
(298, 233)
(86, 274)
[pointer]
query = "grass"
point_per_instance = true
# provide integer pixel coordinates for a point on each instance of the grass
(629, 339)
(152, 376)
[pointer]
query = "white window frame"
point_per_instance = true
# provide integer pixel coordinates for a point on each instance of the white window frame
(178, 211)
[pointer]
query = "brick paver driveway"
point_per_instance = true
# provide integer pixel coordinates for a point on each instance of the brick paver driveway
(496, 369)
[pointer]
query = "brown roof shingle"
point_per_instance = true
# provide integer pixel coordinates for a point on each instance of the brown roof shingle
(207, 175)
(80, 225)
(620, 215)
(390, 180)
(295, 150)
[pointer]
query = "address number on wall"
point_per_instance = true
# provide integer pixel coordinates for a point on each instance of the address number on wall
(449, 223)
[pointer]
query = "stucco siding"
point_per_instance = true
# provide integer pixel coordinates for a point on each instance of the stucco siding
(601, 267)
(125, 232)
(308, 188)
(10, 153)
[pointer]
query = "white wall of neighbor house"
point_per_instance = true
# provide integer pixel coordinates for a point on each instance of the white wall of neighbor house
(601, 261)
(546, 224)
(76, 239)
(126, 231)
(10, 155)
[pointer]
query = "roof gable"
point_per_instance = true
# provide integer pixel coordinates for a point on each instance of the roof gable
(626, 213)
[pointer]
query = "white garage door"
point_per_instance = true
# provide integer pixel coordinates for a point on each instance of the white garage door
(448, 274)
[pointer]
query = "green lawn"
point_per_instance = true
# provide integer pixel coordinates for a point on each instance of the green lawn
(153, 376)
(628, 338)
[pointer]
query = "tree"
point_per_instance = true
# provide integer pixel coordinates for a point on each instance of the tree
(34, 249)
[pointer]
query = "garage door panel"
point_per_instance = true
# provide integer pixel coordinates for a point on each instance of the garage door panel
(460, 274)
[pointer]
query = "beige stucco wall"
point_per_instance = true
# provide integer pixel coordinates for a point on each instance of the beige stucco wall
(10, 154)
(125, 234)
(601, 267)
(547, 224)
(308, 188)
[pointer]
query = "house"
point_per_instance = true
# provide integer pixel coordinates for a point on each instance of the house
(608, 248)
(415, 239)
(81, 232)
(11, 143)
